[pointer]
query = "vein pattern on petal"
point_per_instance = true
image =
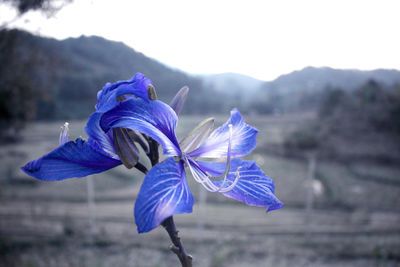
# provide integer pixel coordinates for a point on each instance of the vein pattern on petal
(243, 139)
(73, 159)
(164, 192)
(155, 119)
(253, 187)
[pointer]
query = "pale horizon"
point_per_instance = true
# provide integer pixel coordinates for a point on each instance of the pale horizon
(260, 39)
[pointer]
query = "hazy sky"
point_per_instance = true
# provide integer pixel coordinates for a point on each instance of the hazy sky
(262, 39)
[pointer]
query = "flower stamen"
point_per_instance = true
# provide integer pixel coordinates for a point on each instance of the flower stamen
(64, 134)
(206, 179)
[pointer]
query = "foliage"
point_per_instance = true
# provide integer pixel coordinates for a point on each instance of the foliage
(304, 138)
(16, 89)
(370, 107)
(46, 6)
(367, 116)
(305, 89)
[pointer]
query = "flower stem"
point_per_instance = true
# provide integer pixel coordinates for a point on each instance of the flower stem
(177, 247)
(153, 154)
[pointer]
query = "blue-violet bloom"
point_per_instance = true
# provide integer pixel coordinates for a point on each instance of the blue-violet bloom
(165, 190)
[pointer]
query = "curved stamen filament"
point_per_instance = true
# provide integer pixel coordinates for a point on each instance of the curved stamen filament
(230, 187)
(205, 179)
(201, 177)
(228, 163)
(64, 134)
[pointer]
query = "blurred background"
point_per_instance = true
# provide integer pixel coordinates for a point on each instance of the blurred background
(320, 80)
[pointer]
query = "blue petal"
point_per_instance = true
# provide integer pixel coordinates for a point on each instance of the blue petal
(254, 188)
(73, 159)
(216, 145)
(155, 119)
(164, 192)
(97, 137)
(107, 97)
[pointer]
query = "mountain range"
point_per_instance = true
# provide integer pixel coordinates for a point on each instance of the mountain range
(232, 83)
(61, 78)
(308, 78)
(315, 79)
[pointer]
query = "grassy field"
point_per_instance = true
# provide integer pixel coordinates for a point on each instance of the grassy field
(355, 219)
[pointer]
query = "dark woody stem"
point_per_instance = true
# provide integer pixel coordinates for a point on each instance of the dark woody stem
(169, 225)
(153, 155)
(177, 247)
(141, 167)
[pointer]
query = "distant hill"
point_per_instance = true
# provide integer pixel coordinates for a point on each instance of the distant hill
(232, 83)
(60, 79)
(304, 89)
(297, 90)
(316, 79)
(44, 78)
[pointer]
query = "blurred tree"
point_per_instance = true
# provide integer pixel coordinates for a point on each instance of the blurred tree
(47, 7)
(19, 90)
(16, 89)
(304, 139)
(394, 113)
(331, 100)
(368, 116)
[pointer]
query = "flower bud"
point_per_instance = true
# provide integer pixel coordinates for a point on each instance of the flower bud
(197, 136)
(151, 92)
(125, 147)
(179, 99)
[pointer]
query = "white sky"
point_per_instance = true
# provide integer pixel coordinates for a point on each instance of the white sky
(262, 39)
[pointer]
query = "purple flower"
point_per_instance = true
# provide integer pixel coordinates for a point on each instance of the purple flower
(164, 191)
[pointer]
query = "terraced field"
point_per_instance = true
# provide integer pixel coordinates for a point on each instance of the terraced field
(355, 219)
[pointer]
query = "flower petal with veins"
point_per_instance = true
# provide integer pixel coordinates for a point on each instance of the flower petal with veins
(98, 138)
(253, 188)
(164, 192)
(155, 119)
(216, 145)
(73, 159)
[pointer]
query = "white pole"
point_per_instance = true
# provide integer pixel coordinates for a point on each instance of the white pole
(91, 205)
(310, 191)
